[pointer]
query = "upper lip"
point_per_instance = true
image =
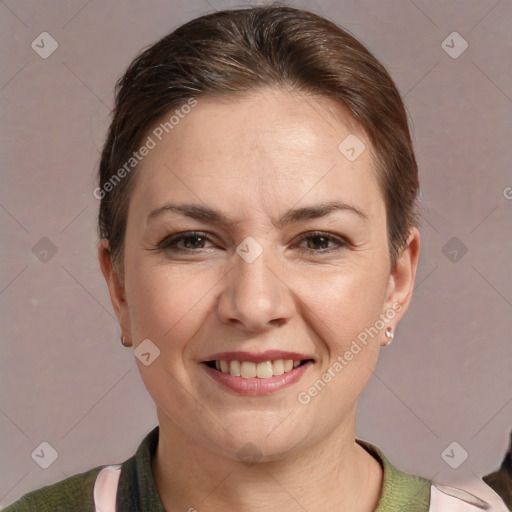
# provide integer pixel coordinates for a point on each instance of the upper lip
(268, 355)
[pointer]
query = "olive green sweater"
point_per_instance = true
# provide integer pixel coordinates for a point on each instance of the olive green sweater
(137, 490)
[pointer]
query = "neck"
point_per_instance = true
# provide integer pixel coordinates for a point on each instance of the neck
(338, 475)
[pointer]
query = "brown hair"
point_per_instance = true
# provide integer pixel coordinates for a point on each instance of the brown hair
(235, 51)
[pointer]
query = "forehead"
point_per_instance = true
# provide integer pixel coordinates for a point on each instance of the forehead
(270, 147)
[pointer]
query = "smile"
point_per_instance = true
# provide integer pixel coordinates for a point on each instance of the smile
(251, 370)
(255, 378)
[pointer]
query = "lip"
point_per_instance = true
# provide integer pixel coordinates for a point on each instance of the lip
(268, 355)
(255, 386)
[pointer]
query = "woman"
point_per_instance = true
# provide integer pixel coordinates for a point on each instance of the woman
(259, 242)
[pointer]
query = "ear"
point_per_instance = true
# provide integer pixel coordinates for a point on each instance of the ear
(402, 277)
(115, 284)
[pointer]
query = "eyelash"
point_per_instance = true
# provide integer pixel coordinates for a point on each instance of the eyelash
(170, 242)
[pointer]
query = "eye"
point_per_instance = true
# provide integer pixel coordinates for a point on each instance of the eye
(192, 241)
(319, 241)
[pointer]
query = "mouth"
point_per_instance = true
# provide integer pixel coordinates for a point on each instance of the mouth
(258, 370)
(246, 373)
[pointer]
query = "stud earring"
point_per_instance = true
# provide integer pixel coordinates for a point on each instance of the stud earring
(389, 335)
(123, 341)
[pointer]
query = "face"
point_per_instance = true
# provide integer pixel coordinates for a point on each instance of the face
(251, 237)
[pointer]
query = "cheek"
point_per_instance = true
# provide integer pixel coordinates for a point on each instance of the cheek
(341, 314)
(167, 305)
(344, 302)
(166, 302)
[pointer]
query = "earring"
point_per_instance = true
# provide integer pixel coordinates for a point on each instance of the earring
(123, 341)
(389, 335)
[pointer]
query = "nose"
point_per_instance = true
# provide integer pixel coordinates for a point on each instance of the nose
(256, 297)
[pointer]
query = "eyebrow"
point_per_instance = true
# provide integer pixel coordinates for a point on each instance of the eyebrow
(205, 213)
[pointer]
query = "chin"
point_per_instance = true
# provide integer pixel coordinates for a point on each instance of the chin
(252, 442)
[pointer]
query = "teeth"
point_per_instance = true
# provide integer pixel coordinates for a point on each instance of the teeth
(278, 367)
(234, 368)
(247, 370)
(263, 370)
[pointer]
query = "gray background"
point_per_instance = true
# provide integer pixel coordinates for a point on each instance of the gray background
(66, 379)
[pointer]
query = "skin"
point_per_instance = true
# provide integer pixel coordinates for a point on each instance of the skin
(253, 158)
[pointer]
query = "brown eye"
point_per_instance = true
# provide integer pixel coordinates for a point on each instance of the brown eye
(184, 242)
(319, 242)
(193, 241)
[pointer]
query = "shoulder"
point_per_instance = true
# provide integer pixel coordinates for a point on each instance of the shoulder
(474, 496)
(77, 493)
(69, 495)
(400, 491)
(404, 491)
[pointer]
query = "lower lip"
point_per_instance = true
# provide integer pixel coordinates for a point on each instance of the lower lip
(255, 386)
